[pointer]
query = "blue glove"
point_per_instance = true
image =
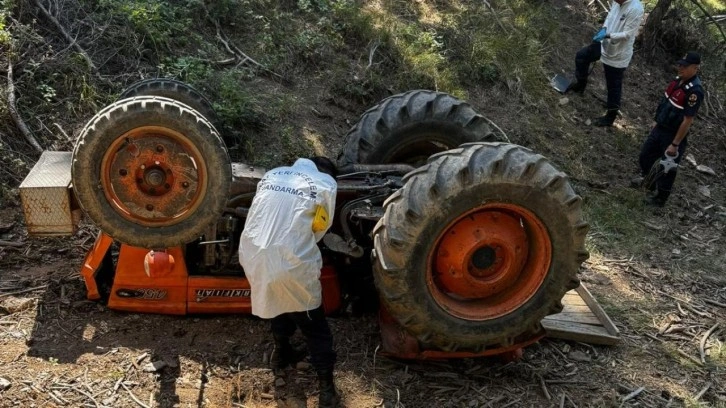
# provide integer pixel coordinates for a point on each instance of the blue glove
(600, 35)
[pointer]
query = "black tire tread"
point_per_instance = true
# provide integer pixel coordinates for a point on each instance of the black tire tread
(419, 107)
(173, 89)
(489, 168)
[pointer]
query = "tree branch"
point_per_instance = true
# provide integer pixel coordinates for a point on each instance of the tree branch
(371, 53)
(709, 17)
(496, 17)
(238, 53)
(232, 49)
(67, 36)
(652, 30)
(15, 114)
(72, 43)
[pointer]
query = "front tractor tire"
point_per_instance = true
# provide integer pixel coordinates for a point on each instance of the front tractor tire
(478, 246)
(151, 172)
(410, 127)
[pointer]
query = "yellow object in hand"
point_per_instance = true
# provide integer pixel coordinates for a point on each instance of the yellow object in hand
(321, 219)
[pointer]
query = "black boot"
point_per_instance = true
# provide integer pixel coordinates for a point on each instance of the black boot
(284, 354)
(329, 397)
(607, 119)
(657, 198)
(577, 86)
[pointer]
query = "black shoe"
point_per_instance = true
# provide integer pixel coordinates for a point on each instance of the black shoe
(607, 119)
(328, 397)
(576, 86)
(603, 121)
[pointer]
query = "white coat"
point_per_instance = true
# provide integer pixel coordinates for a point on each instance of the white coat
(278, 249)
(622, 24)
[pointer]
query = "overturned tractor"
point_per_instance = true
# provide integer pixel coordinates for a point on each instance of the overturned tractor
(467, 240)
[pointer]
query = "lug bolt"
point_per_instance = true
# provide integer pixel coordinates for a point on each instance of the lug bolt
(156, 162)
(122, 172)
(159, 148)
(143, 166)
(185, 184)
(149, 207)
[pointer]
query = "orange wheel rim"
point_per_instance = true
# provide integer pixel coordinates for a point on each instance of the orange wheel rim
(153, 176)
(489, 261)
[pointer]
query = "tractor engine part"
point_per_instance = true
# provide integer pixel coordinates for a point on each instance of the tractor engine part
(220, 247)
(376, 168)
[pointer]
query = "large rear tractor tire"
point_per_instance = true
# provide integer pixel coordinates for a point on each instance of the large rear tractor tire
(182, 92)
(478, 246)
(173, 89)
(410, 127)
(151, 172)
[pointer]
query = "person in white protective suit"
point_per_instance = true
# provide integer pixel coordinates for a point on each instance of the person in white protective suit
(613, 45)
(291, 211)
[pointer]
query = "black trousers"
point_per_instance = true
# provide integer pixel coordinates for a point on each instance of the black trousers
(318, 337)
(653, 149)
(613, 76)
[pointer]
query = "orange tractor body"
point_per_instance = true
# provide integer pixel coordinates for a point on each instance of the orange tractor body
(149, 281)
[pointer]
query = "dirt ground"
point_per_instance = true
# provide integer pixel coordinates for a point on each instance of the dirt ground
(59, 349)
(666, 294)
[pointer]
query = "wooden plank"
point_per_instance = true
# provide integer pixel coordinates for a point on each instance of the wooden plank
(584, 318)
(579, 332)
(597, 310)
(578, 308)
(573, 298)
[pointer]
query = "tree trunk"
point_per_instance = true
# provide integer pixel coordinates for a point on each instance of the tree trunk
(653, 28)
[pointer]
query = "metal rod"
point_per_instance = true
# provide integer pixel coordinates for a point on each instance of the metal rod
(220, 241)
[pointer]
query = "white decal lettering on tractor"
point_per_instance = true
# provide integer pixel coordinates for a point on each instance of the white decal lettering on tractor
(202, 294)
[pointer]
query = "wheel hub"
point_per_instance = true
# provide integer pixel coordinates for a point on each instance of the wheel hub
(489, 261)
(482, 259)
(155, 178)
(152, 176)
(481, 254)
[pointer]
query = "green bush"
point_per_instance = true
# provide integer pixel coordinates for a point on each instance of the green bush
(443, 46)
(5, 37)
(164, 25)
(186, 69)
(237, 107)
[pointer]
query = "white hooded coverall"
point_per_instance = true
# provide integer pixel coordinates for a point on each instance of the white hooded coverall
(278, 249)
(622, 23)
